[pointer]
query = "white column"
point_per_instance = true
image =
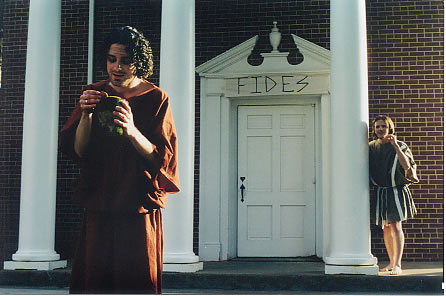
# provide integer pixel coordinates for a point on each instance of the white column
(40, 130)
(177, 78)
(349, 227)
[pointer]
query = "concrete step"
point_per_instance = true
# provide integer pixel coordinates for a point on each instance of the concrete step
(278, 277)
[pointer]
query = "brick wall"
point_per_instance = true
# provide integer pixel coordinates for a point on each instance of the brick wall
(1, 37)
(145, 15)
(15, 21)
(405, 81)
(73, 76)
(406, 67)
(405, 41)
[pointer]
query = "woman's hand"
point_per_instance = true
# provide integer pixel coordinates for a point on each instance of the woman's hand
(404, 161)
(125, 119)
(87, 102)
(89, 99)
(391, 139)
(139, 141)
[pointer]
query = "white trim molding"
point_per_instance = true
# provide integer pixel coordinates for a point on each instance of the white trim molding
(221, 94)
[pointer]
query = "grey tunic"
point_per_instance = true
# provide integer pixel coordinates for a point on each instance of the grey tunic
(392, 201)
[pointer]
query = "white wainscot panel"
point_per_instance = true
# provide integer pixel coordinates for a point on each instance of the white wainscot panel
(260, 222)
(288, 121)
(292, 163)
(260, 121)
(292, 222)
(260, 164)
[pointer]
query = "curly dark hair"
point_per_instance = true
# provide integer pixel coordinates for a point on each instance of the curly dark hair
(137, 46)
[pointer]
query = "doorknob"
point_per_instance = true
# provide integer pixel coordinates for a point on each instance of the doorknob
(242, 188)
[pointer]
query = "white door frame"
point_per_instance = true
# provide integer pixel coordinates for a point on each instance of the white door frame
(218, 168)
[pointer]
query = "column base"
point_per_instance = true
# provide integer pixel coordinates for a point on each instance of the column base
(210, 252)
(182, 267)
(342, 259)
(39, 265)
(33, 255)
(352, 269)
(182, 258)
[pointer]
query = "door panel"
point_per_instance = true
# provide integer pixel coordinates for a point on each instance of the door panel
(261, 171)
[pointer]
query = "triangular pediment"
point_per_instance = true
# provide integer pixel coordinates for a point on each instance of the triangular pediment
(316, 59)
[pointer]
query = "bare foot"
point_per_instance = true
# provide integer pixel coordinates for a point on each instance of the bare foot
(396, 271)
(387, 268)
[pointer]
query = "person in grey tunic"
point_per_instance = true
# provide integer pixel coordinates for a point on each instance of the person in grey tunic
(392, 169)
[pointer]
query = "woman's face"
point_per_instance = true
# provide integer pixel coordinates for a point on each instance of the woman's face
(381, 129)
(119, 66)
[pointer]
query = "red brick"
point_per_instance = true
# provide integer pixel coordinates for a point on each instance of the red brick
(406, 72)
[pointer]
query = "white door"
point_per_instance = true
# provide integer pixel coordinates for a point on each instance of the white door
(276, 173)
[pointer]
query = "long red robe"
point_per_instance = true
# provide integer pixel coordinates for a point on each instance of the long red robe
(120, 248)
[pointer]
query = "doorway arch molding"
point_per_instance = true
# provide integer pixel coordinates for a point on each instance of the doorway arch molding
(228, 81)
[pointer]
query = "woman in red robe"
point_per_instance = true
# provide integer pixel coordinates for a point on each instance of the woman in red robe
(124, 179)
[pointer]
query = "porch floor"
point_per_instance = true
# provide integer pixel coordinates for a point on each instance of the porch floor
(255, 276)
